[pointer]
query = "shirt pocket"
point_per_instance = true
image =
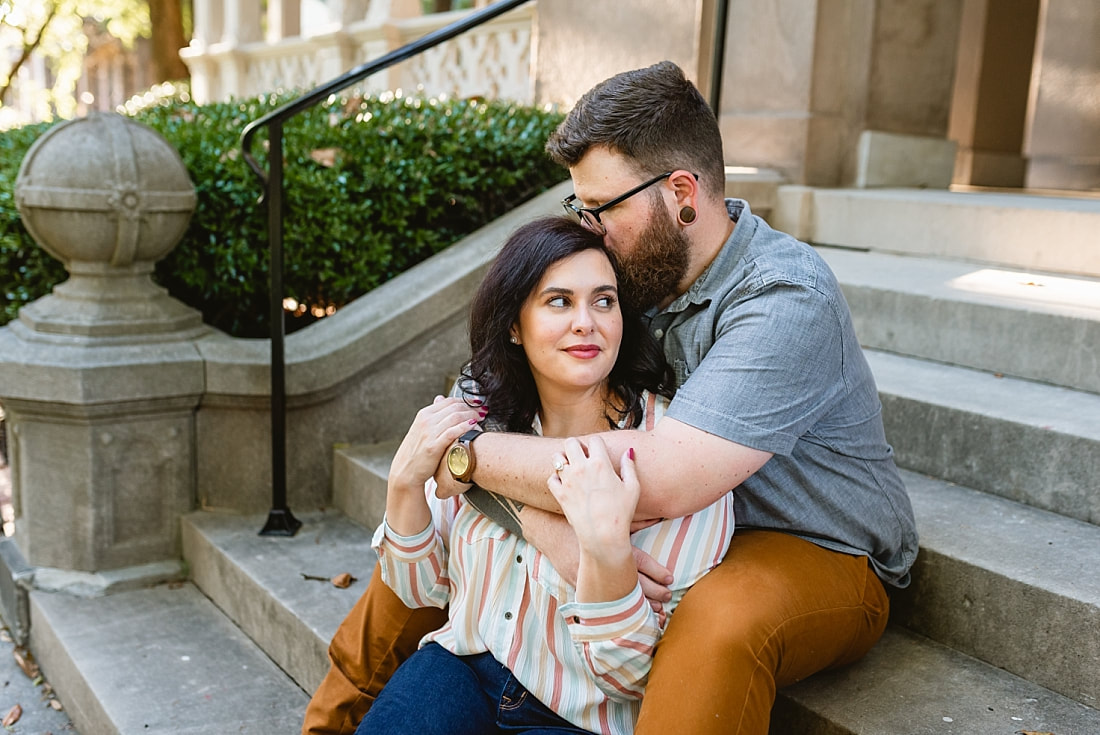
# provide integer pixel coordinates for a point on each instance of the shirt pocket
(472, 528)
(547, 577)
(682, 371)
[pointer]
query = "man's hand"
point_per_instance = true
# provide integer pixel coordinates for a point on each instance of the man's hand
(447, 486)
(551, 534)
(655, 580)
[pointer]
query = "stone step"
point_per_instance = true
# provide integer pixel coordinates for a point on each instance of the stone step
(909, 684)
(161, 659)
(999, 580)
(1009, 584)
(988, 569)
(1027, 441)
(1026, 324)
(1020, 231)
(1035, 443)
(257, 581)
(359, 480)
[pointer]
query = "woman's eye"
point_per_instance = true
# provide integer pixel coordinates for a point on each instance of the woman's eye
(556, 301)
(605, 302)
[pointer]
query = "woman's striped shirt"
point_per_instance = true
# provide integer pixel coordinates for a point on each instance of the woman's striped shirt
(586, 661)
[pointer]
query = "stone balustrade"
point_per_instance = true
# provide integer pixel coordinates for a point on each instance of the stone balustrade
(309, 43)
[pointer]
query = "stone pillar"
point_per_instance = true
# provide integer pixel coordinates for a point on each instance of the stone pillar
(580, 43)
(992, 81)
(100, 379)
(208, 19)
(284, 20)
(840, 92)
(1063, 138)
(242, 22)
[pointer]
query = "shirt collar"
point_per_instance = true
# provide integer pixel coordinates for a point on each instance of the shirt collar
(714, 274)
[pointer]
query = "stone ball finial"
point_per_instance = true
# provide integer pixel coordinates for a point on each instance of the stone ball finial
(108, 197)
(104, 189)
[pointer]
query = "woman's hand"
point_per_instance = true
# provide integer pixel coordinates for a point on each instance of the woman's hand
(433, 431)
(599, 504)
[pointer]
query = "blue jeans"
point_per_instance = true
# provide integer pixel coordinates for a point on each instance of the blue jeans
(438, 693)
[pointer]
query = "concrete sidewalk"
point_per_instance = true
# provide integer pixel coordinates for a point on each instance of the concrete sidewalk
(17, 688)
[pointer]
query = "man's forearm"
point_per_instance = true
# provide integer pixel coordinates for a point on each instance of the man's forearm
(681, 469)
(517, 467)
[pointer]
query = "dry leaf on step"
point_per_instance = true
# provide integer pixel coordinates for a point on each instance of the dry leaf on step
(23, 660)
(56, 704)
(343, 580)
(12, 716)
(1032, 732)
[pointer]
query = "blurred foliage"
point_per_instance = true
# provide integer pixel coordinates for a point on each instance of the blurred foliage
(26, 270)
(55, 29)
(373, 186)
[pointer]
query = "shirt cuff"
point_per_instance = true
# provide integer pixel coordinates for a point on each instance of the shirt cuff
(407, 549)
(604, 621)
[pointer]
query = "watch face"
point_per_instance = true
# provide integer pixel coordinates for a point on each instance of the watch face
(458, 460)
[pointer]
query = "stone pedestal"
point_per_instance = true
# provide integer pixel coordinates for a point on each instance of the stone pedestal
(100, 379)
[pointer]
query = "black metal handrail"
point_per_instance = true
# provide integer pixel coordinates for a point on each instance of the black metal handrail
(280, 520)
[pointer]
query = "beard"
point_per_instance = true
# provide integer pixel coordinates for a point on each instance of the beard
(658, 264)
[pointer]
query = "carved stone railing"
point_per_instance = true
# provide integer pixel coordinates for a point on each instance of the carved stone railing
(491, 61)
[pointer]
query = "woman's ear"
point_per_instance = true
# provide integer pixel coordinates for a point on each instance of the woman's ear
(513, 333)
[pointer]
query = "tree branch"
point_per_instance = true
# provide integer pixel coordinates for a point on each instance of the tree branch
(28, 48)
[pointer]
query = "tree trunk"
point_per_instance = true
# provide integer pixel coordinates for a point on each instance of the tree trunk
(166, 19)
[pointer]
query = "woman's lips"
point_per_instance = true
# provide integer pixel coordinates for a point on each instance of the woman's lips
(585, 352)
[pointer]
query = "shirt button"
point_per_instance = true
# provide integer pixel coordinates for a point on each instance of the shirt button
(507, 616)
(519, 559)
(658, 333)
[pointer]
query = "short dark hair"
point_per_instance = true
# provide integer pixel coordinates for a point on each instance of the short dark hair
(654, 116)
(498, 372)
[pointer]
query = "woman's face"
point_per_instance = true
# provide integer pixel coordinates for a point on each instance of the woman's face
(570, 326)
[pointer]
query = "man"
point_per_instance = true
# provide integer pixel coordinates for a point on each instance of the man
(775, 402)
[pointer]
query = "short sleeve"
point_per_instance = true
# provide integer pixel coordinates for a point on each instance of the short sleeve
(776, 362)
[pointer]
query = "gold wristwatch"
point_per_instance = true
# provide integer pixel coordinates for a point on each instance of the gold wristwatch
(460, 457)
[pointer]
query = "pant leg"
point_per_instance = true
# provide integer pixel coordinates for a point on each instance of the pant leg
(433, 693)
(775, 611)
(373, 640)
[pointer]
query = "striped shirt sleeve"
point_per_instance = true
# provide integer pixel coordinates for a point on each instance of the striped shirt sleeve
(616, 641)
(415, 567)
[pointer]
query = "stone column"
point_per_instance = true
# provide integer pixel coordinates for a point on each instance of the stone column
(208, 18)
(581, 43)
(1063, 135)
(840, 92)
(242, 22)
(284, 20)
(100, 379)
(989, 107)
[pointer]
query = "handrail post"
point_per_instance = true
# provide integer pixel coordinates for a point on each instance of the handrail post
(280, 521)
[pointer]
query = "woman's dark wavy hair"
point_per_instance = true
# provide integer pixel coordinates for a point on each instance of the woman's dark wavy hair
(498, 373)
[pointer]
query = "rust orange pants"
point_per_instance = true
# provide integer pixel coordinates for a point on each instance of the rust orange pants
(777, 610)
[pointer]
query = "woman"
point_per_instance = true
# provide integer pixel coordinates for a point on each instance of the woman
(524, 651)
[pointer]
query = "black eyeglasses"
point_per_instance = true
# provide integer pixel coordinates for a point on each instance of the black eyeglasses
(590, 216)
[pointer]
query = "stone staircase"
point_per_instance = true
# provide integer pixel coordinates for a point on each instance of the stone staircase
(990, 382)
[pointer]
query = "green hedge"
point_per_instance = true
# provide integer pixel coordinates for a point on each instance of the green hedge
(26, 270)
(373, 186)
